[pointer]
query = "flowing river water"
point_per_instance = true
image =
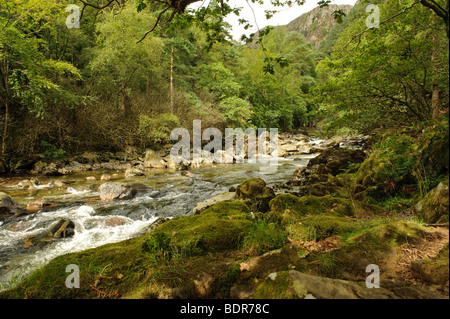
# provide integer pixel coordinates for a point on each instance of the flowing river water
(168, 194)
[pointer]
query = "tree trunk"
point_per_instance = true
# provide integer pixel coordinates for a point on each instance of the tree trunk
(434, 83)
(171, 81)
(4, 71)
(5, 128)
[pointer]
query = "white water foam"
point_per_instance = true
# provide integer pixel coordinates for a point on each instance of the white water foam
(90, 231)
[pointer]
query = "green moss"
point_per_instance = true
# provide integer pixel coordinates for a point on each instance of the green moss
(251, 188)
(290, 207)
(264, 236)
(112, 269)
(374, 246)
(254, 193)
(220, 227)
(321, 226)
(276, 289)
(230, 278)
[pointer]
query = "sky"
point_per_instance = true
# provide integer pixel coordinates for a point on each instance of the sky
(283, 17)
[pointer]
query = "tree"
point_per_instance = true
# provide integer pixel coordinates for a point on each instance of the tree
(29, 79)
(391, 73)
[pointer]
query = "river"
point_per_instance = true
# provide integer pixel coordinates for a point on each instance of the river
(168, 194)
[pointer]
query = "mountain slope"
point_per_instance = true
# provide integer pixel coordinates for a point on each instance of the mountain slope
(317, 23)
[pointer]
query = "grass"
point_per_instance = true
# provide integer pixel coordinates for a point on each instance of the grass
(263, 236)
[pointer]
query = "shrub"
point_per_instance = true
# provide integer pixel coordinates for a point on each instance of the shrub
(51, 151)
(156, 130)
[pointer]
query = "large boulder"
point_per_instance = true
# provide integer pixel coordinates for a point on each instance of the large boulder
(153, 160)
(111, 190)
(293, 284)
(434, 207)
(434, 270)
(336, 160)
(8, 207)
(222, 226)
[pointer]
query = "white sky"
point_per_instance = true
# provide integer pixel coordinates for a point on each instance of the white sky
(283, 17)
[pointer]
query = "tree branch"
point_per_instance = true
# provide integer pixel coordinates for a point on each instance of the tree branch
(388, 19)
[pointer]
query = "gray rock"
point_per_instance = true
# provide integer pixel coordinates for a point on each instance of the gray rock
(224, 197)
(8, 207)
(297, 285)
(434, 207)
(134, 171)
(153, 160)
(111, 190)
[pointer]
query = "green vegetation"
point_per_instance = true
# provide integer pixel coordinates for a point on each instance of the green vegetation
(111, 87)
(264, 236)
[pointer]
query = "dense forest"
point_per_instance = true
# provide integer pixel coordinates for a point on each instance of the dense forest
(65, 90)
(361, 103)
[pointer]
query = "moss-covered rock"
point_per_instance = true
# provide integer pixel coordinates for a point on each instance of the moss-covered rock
(255, 194)
(287, 206)
(434, 270)
(220, 227)
(322, 226)
(296, 285)
(374, 246)
(434, 207)
(251, 188)
(433, 154)
(336, 160)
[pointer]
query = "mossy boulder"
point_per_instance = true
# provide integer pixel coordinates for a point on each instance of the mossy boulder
(293, 284)
(255, 194)
(288, 206)
(322, 226)
(374, 245)
(434, 270)
(434, 207)
(220, 227)
(433, 153)
(335, 160)
(323, 189)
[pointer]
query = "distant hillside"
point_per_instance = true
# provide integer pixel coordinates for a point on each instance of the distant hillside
(317, 23)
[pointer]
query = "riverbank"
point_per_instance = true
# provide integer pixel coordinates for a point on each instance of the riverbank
(329, 220)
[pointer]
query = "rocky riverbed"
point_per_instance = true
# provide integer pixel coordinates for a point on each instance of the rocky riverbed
(234, 231)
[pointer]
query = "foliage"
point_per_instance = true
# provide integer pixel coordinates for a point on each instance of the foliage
(51, 151)
(385, 76)
(398, 154)
(156, 130)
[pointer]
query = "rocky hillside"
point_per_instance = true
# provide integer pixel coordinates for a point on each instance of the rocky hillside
(316, 24)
